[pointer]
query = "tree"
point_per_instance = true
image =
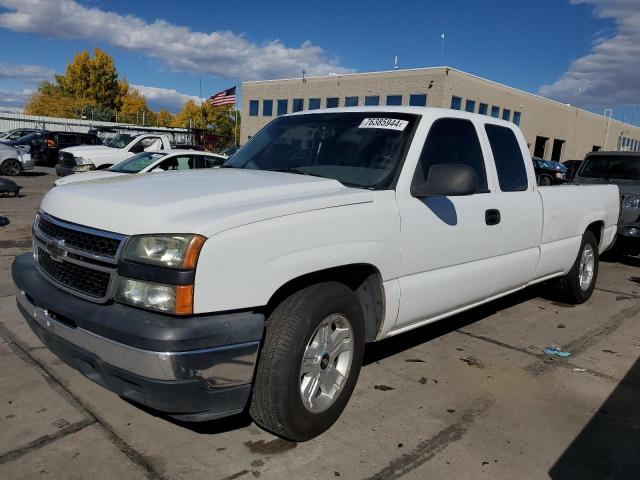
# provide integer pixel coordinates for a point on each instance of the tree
(90, 82)
(164, 118)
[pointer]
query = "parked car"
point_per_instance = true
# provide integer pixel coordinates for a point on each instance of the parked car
(146, 162)
(17, 133)
(14, 161)
(572, 167)
(259, 283)
(548, 172)
(114, 150)
(190, 146)
(44, 146)
(621, 169)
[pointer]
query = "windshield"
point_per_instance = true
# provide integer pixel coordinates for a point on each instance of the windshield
(119, 141)
(359, 149)
(137, 163)
(611, 166)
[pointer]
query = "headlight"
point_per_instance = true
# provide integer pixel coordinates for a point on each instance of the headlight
(176, 251)
(632, 202)
(82, 161)
(176, 299)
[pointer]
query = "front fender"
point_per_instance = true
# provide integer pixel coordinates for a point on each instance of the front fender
(243, 267)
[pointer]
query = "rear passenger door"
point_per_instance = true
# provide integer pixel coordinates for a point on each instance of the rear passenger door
(450, 247)
(520, 208)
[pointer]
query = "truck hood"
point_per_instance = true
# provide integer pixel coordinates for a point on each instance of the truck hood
(86, 176)
(198, 201)
(92, 151)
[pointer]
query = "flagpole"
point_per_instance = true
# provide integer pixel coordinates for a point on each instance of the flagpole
(235, 131)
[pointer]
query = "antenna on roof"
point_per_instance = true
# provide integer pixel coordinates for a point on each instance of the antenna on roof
(395, 65)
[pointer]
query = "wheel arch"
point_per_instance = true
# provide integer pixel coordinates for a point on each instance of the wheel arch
(597, 228)
(365, 281)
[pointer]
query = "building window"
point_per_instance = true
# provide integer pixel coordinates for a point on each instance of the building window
(506, 114)
(350, 101)
(283, 106)
(495, 112)
(394, 100)
(418, 100)
(298, 105)
(267, 108)
(516, 118)
(456, 103)
(470, 106)
(332, 102)
(314, 103)
(483, 108)
(372, 101)
(254, 105)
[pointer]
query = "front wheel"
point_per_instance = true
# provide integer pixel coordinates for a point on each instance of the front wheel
(10, 167)
(309, 362)
(577, 286)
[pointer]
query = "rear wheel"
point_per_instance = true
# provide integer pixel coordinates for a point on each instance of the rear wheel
(577, 286)
(10, 167)
(544, 180)
(309, 362)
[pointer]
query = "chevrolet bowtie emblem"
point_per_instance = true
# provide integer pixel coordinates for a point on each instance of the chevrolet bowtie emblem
(57, 251)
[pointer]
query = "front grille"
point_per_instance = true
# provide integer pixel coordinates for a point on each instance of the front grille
(88, 281)
(84, 241)
(67, 159)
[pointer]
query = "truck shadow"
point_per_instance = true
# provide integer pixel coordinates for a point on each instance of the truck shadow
(607, 447)
(394, 345)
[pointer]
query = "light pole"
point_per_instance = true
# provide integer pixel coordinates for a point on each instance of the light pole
(442, 49)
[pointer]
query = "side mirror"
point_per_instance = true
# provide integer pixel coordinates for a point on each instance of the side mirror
(447, 180)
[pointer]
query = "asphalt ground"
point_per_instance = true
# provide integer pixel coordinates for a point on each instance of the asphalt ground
(472, 396)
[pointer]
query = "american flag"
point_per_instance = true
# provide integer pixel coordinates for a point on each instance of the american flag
(225, 97)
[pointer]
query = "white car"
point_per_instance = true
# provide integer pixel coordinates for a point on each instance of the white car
(84, 158)
(146, 162)
(14, 160)
(258, 284)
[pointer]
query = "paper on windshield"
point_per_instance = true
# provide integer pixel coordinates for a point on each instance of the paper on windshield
(385, 123)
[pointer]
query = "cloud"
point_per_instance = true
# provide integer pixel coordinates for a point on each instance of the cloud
(164, 97)
(7, 109)
(609, 75)
(14, 98)
(26, 73)
(220, 53)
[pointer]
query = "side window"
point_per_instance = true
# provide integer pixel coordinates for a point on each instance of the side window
(512, 174)
(145, 143)
(452, 140)
(184, 162)
(67, 139)
(212, 162)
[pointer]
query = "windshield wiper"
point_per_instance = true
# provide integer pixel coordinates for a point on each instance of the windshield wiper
(297, 171)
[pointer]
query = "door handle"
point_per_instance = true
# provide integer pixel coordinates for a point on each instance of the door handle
(492, 216)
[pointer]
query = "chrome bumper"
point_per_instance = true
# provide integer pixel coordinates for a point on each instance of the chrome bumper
(219, 367)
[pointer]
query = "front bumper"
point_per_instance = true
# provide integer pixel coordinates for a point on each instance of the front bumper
(195, 368)
(63, 171)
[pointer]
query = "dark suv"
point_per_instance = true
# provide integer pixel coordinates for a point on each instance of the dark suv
(621, 169)
(44, 145)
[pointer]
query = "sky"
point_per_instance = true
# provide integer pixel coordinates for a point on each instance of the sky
(582, 52)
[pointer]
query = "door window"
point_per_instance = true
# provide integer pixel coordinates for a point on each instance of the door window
(450, 141)
(142, 144)
(212, 162)
(182, 162)
(512, 174)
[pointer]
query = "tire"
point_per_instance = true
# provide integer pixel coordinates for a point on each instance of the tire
(569, 288)
(544, 181)
(294, 331)
(10, 167)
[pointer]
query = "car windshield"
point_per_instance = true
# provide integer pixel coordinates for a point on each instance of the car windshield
(358, 149)
(119, 141)
(137, 163)
(28, 138)
(611, 166)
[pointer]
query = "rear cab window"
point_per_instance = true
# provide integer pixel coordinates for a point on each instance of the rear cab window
(508, 159)
(451, 141)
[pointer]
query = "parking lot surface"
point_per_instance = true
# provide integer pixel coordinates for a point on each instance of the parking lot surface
(472, 396)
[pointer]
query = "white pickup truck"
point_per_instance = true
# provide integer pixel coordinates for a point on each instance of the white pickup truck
(327, 230)
(114, 150)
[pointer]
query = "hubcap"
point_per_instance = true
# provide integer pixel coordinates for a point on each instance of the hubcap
(587, 265)
(11, 167)
(326, 363)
